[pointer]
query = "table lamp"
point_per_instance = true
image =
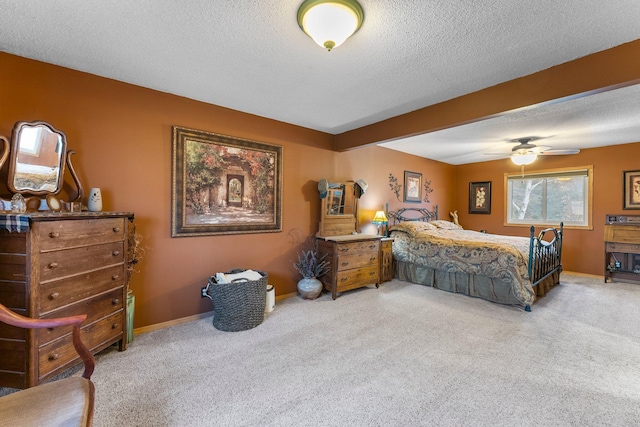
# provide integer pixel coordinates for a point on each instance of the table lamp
(380, 219)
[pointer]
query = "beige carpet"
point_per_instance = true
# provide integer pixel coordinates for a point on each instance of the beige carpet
(401, 355)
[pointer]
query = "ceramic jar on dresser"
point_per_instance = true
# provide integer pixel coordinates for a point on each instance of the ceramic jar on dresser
(56, 265)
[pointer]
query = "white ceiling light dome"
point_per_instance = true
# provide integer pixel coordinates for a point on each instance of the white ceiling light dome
(330, 22)
(522, 158)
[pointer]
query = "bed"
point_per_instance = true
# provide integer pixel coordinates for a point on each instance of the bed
(37, 177)
(503, 269)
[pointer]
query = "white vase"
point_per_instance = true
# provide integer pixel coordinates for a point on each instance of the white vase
(309, 288)
(94, 201)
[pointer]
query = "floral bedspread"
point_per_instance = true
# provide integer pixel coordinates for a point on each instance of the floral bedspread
(491, 255)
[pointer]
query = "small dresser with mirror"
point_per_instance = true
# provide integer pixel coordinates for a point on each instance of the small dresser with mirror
(56, 260)
(354, 258)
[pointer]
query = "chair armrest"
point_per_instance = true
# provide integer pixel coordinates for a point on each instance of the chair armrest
(14, 319)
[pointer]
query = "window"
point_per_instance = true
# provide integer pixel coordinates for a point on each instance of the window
(550, 197)
(30, 140)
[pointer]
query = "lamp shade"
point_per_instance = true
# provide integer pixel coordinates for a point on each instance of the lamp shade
(330, 22)
(523, 158)
(380, 218)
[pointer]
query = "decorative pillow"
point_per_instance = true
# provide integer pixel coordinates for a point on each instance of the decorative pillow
(413, 227)
(446, 225)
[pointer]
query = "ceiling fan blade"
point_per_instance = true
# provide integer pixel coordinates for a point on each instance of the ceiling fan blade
(539, 149)
(560, 152)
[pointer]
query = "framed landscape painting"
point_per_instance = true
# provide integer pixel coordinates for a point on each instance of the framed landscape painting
(224, 185)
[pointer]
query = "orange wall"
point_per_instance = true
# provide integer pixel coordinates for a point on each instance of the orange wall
(122, 136)
(583, 250)
(374, 164)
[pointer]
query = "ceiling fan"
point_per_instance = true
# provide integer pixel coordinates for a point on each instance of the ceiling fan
(526, 153)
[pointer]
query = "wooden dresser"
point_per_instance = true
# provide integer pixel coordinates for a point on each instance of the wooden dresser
(354, 260)
(62, 264)
(622, 248)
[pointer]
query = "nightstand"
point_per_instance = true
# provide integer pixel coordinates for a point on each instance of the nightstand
(386, 259)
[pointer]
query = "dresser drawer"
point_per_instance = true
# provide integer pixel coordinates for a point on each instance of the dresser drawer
(95, 308)
(60, 352)
(68, 262)
(70, 233)
(622, 233)
(356, 260)
(59, 293)
(357, 247)
(348, 278)
(622, 247)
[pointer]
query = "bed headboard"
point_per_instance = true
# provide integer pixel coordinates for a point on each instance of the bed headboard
(412, 214)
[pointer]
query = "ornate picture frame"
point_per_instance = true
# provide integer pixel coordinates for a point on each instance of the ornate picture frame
(631, 190)
(480, 197)
(224, 185)
(412, 187)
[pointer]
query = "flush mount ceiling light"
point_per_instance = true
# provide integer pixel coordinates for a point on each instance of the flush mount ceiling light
(330, 22)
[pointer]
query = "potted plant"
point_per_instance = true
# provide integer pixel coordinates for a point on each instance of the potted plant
(310, 266)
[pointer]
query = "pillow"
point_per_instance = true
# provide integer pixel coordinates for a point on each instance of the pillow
(413, 227)
(446, 225)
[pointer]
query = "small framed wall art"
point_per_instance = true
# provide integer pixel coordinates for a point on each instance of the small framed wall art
(480, 197)
(412, 187)
(631, 185)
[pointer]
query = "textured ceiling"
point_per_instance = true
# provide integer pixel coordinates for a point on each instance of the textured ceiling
(607, 118)
(251, 56)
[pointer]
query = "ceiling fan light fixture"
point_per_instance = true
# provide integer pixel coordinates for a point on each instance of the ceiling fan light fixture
(523, 158)
(330, 22)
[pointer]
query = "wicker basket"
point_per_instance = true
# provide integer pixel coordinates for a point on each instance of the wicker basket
(239, 305)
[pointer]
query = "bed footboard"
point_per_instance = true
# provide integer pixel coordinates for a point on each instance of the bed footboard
(545, 255)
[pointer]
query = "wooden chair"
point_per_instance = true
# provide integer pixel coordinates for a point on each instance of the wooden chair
(66, 402)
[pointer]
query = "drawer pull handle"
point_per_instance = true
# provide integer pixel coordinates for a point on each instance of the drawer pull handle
(344, 249)
(115, 277)
(372, 246)
(372, 273)
(54, 296)
(345, 263)
(115, 253)
(54, 234)
(344, 279)
(115, 301)
(53, 265)
(372, 259)
(116, 229)
(114, 326)
(53, 357)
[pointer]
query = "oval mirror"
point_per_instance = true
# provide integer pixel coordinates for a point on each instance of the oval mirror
(37, 158)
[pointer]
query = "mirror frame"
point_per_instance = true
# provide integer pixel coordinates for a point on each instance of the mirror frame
(65, 158)
(341, 223)
(5, 150)
(15, 142)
